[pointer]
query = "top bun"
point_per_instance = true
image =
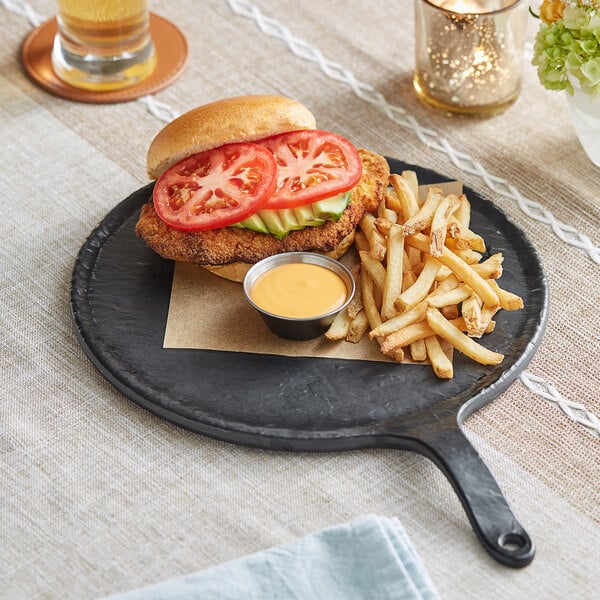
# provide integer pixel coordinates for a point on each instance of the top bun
(239, 119)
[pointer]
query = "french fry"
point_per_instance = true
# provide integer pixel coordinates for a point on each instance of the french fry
(414, 256)
(459, 340)
(463, 212)
(469, 256)
(416, 269)
(361, 242)
(396, 354)
(374, 268)
(388, 216)
(400, 321)
(460, 324)
(356, 304)
(368, 295)
(413, 181)
(423, 218)
(376, 240)
(450, 312)
(460, 268)
(407, 197)
(417, 292)
(508, 300)
(392, 202)
(455, 240)
(338, 330)
(456, 295)
(383, 225)
(487, 323)
(359, 325)
(490, 268)
(439, 223)
(443, 273)
(392, 287)
(418, 351)
(472, 240)
(408, 279)
(471, 312)
(384, 211)
(406, 265)
(440, 363)
(447, 283)
(405, 336)
(453, 231)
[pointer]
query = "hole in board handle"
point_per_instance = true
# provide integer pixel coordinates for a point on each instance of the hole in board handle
(511, 542)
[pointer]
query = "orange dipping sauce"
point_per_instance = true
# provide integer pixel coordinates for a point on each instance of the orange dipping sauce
(299, 291)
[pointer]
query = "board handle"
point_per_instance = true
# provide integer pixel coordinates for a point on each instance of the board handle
(491, 518)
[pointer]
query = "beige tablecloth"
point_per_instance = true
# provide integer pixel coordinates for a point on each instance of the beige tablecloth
(98, 496)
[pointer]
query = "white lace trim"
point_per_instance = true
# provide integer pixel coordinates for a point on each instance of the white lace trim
(161, 110)
(429, 137)
(576, 412)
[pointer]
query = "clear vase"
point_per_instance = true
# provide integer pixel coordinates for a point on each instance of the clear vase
(585, 112)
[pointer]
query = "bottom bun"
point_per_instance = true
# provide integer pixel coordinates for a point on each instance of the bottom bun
(234, 271)
(237, 271)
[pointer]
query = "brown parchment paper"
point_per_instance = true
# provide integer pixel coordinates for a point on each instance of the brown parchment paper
(211, 313)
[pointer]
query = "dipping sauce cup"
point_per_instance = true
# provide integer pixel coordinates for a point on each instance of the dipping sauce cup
(298, 294)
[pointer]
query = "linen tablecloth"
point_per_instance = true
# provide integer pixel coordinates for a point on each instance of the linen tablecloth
(98, 496)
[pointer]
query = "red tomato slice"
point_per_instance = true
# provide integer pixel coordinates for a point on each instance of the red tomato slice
(216, 188)
(311, 165)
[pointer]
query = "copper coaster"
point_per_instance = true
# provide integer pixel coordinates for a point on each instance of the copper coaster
(171, 50)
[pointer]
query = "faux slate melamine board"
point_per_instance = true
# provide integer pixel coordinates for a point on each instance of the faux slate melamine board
(120, 297)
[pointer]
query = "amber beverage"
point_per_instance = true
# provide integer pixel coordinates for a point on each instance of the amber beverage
(103, 44)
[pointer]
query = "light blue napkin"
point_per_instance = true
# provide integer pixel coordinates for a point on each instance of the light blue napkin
(369, 558)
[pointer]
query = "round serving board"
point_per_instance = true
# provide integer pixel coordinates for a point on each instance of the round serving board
(120, 299)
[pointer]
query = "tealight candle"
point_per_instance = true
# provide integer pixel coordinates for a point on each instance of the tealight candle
(469, 53)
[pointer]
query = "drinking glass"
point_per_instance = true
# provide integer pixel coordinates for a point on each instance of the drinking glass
(103, 44)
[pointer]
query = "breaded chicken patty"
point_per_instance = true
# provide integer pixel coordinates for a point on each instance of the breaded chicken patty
(232, 244)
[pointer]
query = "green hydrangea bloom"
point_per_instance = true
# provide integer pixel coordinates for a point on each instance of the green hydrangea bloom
(568, 50)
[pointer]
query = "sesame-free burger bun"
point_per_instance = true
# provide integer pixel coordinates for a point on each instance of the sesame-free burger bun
(238, 119)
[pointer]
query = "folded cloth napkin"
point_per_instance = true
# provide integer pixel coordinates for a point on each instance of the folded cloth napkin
(368, 558)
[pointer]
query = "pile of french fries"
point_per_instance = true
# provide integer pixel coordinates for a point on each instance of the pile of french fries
(423, 287)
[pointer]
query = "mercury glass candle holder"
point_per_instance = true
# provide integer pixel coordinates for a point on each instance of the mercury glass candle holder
(469, 54)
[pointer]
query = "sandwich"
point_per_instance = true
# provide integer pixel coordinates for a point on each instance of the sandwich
(247, 177)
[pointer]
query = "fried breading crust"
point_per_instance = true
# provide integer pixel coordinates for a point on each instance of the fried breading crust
(231, 244)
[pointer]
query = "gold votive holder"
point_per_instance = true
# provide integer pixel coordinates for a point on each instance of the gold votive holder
(469, 54)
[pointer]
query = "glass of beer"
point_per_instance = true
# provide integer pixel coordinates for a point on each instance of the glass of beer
(103, 45)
